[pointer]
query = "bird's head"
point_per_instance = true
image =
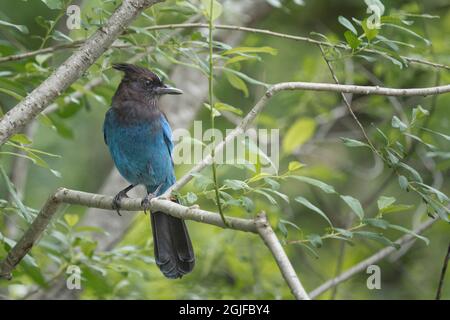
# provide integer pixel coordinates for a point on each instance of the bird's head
(144, 82)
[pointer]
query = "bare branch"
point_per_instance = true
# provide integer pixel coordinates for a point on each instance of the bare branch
(343, 88)
(71, 69)
(441, 278)
(92, 200)
(274, 245)
(380, 255)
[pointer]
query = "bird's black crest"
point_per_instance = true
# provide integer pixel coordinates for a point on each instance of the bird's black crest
(132, 71)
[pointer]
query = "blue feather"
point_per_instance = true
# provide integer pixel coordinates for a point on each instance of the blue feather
(141, 151)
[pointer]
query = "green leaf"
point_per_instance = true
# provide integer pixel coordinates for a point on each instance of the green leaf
(409, 31)
(355, 205)
(216, 113)
(403, 229)
(61, 128)
(309, 249)
(384, 202)
(295, 165)
(312, 207)
(238, 50)
(370, 33)
(237, 82)
(236, 59)
(71, 219)
(344, 232)
(53, 4)
(377, 223)
(201, 181)
(317, 183)
(281, 195)
(19, 27)
(315, 240)
(226, 107)
(191, 197)
(216, 8)
(16, 96)
(347, 24)
(352, 40)
(440, 195)
(397, 123)
(446, 137)
(20, 138)
(236, 184)
(419, 113)
(377, 237)
(300, 132)
(411, 170)
(282, 228)
(267, 196)
(397, 208)
(403, 182)
(23, 210)
(353, 143)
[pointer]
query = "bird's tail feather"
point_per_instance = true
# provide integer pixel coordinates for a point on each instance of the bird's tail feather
(174, 254)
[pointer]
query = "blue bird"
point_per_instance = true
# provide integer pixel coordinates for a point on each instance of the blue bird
(139, 139)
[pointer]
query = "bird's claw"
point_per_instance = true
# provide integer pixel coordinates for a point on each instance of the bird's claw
(116, 201)
(145, 203)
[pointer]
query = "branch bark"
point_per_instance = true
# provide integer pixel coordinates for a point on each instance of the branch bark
(380, 255)
(270, 239)
(62, 195)
(343, 88)
(441, 278)
(71, 69)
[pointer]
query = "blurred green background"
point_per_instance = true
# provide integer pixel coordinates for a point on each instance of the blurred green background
(230, 264)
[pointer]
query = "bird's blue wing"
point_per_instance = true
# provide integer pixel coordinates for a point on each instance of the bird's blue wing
(106, 123)
(167, 134)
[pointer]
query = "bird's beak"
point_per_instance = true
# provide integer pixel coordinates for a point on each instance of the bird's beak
(168, 90)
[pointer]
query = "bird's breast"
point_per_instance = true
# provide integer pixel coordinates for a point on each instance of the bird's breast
(139, 151)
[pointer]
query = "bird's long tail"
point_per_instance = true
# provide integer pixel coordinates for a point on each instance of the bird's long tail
(174, 254)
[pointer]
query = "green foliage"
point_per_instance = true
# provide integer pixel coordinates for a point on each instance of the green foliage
(307, 198)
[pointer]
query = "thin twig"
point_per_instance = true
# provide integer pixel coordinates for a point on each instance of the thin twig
(250, 30)
(274, 245)
(211, 105)
(441, 278)
(347, 103)
(380, 255)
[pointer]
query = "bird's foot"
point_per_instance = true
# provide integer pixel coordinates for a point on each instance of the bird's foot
(145, 203)
(117, 199)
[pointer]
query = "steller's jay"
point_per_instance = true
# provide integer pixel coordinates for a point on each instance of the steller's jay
(139, 138)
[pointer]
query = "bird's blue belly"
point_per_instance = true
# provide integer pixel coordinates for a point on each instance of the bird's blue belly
(141, 155)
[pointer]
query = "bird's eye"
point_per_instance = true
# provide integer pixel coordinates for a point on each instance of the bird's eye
(148, 83)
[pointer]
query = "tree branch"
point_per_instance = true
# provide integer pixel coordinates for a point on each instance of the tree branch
(441, 278)
(71, 69)
(92, 200)
(234, 28)
(38, 226)
(343, 88)
(274, 245)
(380, 255)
